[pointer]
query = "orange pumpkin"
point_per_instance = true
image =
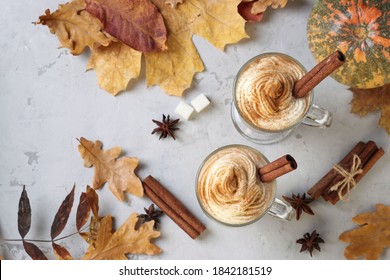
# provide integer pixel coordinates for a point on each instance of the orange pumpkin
(360, 29)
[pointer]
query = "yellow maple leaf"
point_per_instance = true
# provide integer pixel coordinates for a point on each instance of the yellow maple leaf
(365, 101)
(217, 21)
(174, 69)
(126, 240)
(119, 173)
(75, 28)
(115, 66)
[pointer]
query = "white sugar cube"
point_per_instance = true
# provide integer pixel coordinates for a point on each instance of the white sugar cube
(200, 102)
(184, 110)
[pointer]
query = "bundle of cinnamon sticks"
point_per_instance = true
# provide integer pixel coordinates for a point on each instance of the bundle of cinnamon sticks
(368, 153)
(172, 207)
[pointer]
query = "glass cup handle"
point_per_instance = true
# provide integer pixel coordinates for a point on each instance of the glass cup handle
(281, 210)
(318, 117)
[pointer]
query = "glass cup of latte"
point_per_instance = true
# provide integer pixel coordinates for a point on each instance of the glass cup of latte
(229, 189)
(264, 109)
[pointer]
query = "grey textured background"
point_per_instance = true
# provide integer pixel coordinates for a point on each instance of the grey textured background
(48, 100)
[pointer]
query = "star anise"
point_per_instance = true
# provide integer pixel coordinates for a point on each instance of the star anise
(151, 215)
(299, 203)
(166, 127)
(310, 242)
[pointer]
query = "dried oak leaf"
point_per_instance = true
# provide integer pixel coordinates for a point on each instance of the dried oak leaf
(119, 173)
(75, 28)
(217, 21)
(372, 237)
(259, 6)
(115, 66)
(137, 23)
(126, 240)
(365, 101)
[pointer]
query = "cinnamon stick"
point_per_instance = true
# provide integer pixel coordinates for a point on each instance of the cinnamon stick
(170, 213)
(173, 207)
(323, 69)
(277, 168)
(325, 182)
(369, 163)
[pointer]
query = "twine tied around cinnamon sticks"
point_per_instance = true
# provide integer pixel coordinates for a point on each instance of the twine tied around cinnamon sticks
(368, 153)
(348, 182)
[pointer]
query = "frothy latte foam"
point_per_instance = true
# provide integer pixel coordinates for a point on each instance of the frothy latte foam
(263, 93)
(229, 188)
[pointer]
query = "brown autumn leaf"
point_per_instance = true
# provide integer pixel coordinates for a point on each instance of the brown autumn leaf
(75, 28)
(115, 66)
(89, 200)
(33, 251)
(137, 23)
(61, 253)
(62, 215)
(93, 199)
(372, 237)
(126, 240)
(119, 173)
(24, 214)
(83, 211)
(365, 101)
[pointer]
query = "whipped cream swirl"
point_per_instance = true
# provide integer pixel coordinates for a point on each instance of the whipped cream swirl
(264, 93)
(229, 188)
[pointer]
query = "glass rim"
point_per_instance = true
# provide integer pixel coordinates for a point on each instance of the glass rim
(243, 67)
(200, 169)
